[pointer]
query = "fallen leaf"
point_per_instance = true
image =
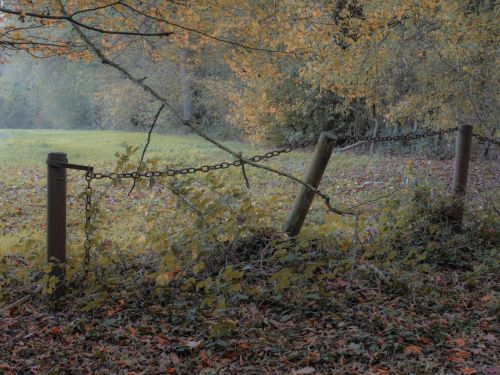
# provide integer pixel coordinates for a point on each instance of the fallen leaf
(306, 370)
(486, 298)
(413, 350)
(424, 341)
(380, 371)
(460, 342)
(468, 371)
(174, 358)
(191, 344)
(459, 356)
(311, 357)
(340, 343)
(204, 357)
(244, 346)
(162, 341)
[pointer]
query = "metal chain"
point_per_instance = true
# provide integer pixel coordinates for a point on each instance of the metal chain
(257, 158)
(482, 138)
(204, 168)
(88, 224)
(403, 137)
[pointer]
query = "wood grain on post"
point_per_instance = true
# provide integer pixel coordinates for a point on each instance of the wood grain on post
(56, 218)
(314, 173)
(460, 174)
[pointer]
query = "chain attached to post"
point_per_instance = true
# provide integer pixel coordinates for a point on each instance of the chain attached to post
(88, 225)
(482, 138)
(204, 168)
(258, 158)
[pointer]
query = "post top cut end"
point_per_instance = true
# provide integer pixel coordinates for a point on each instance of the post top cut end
(59, 156)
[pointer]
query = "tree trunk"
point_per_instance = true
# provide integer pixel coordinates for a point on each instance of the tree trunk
(375, 131)
(187, 104)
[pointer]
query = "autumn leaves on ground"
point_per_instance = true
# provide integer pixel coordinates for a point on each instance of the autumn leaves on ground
(192, 274)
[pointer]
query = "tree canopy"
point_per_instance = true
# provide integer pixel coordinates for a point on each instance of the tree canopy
(289, 68)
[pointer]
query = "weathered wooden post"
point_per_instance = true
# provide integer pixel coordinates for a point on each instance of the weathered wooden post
(56, 218)
(460, 173)
(314, 173)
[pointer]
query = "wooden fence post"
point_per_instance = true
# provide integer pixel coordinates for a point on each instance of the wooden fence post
(460, 173)
(56, 219)
(314, 173)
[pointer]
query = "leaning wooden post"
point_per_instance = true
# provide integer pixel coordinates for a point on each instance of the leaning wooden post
(314, 173)
(56, 218)
(461, 171)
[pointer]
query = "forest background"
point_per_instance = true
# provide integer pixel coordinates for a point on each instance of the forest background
(281, 71)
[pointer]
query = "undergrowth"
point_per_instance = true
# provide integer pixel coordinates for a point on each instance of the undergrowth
(396, 290)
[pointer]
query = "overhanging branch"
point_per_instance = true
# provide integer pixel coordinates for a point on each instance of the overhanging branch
(194, 128)
(70, 18)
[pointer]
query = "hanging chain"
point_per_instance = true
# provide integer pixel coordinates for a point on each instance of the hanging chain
(257, 158)
(204, 168)
(482, 138)
(403, 137)
(88, 225)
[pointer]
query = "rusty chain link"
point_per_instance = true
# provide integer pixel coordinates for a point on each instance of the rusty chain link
(482, 138)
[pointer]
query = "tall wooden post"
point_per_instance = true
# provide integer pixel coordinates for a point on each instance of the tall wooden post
(56, 218)
(460, 173)
(314, 173)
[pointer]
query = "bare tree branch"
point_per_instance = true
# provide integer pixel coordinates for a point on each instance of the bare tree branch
(203, 33)
(69, 18)
(146, 145)
(95, 9)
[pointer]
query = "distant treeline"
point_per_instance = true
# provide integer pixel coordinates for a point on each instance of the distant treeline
(354, 68)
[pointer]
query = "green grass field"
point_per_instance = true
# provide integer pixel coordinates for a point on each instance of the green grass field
(30, 147)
